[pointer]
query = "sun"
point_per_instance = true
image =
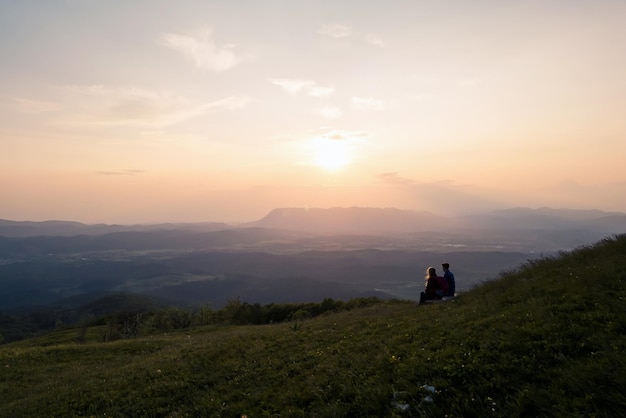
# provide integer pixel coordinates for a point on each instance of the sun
(331, 154)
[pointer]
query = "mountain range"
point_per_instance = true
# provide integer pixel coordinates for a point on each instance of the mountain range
(355, 221)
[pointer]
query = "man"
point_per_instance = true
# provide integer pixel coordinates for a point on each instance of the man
(449, 276)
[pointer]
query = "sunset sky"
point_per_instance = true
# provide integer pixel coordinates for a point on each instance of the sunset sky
(122, 111)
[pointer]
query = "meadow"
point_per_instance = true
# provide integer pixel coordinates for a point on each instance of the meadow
(544, 339)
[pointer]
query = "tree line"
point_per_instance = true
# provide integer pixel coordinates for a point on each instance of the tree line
(132, 322)
(236, 312)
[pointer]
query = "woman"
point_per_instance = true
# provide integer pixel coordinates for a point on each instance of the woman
(432, 290)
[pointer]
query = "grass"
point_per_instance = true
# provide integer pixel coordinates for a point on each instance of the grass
(544, 340)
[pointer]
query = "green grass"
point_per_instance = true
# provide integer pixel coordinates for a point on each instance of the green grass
(544, 340)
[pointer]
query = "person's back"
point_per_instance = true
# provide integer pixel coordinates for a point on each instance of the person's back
(442, 286)
(432, 287)
(449, 278)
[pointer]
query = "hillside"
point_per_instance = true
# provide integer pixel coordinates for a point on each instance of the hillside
(546, 339)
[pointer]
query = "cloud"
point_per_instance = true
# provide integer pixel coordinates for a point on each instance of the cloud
(319, 91)
(394, 178)
(373, 39)
(330, 112)
(308, 87)
(201, 49)
(106, 106)
(340, 135)
(339, 31)
(36, 106)
(120, 173)
(336, 31)
(230, 103)
(368, 103)
(291, 85)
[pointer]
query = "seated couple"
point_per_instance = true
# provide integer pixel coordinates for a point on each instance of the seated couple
(438, 287)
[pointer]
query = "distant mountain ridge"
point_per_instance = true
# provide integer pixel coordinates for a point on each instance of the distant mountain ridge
(354, 221)
(70, 228)
(357, 220)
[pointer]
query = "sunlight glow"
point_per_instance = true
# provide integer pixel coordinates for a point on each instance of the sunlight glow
(331, 154)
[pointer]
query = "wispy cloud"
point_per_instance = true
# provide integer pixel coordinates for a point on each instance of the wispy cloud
(368, 103)
(230, 103)
(120, 173)
(201, 49)
(101, 105)
(336, 31)
(308, 87)
(394, 178)
(341, 135)
(339, 31)
(373, 39)
(330, 112)
(35, 106)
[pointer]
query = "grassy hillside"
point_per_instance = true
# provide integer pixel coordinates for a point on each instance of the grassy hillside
(544, 340)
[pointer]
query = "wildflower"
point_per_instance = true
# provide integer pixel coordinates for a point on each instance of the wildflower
(429, 388)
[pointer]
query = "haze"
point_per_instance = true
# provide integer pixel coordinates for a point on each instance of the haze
(150, 111)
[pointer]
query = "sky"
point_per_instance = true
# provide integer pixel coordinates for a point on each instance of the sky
(131, 111)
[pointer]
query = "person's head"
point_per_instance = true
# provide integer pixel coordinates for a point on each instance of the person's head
(431, 272)
(445, 266)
